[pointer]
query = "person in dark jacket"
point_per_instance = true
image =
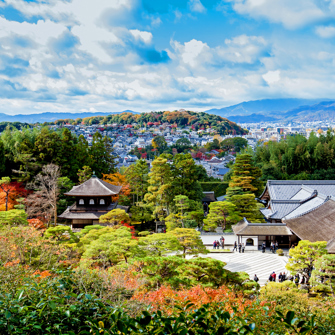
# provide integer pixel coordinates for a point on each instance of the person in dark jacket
(235, 246)
(256, 278)
(239, 247)
(263, 247)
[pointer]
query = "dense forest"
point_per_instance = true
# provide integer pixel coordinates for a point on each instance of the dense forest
(178, 118)
(298, 158)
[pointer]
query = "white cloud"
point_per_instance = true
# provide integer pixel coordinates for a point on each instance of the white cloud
(196, 6)
(326, 31)
(145, 36)
(271, 77)
(292, 14)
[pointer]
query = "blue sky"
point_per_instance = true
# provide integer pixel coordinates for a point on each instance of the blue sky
(112, 55)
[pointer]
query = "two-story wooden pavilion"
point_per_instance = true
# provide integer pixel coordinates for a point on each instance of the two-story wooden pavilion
(93, 199)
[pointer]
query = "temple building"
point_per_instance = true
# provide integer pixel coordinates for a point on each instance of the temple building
(93, 199)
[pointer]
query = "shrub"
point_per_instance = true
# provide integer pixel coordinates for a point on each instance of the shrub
(280, 252)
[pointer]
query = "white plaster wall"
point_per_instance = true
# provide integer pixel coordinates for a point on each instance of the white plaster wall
(209, 239)
(250, 247)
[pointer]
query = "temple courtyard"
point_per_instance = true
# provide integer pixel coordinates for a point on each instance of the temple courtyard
(253, 263)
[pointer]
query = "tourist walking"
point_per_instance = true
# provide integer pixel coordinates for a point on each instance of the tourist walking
(235, 246)
(243, 247)
(222, 242)
(280, 277)
(263, 247)
(214, 245)
(217, 245)
(283, 277)
(276, 245)
(239, 247)
(256, 278)
(273, 276)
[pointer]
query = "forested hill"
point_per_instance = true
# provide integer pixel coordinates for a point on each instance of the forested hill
(179, 118)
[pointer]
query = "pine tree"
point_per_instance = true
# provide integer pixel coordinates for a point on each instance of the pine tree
(221, 213)
(245, 177)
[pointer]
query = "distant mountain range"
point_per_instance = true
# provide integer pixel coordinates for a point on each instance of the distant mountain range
(278, 109)
(49, 117)
(248, 112)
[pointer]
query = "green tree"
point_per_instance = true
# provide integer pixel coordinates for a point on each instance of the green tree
(221, 213)
(303, 257)
(101, 152)
(159, 143)
(185, 177)
(13, 217)
(2, 158)
(182, 204)
(61, 234)
(247, 207)
(160, 193)
(110, 246)
(84, 174)
(138, 173)
(159, 244)
(324, 271)
(245, 177)
(115, 217)
(190, 241)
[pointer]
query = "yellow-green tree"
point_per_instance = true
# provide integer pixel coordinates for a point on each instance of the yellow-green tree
(190, 241)
(221, 213)
(159, 244)
(160, 192)
(303, 257)
(115, 217)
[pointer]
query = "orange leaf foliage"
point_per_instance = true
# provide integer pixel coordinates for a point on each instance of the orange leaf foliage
(36, 223)
(119, 180)
(16, 190)
(166, 298)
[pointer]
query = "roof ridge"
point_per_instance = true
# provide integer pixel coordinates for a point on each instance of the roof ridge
(308, 211)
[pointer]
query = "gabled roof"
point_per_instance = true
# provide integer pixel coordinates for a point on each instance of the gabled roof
(246, 228)
(315, 225)
(287, 189)
(94, 187)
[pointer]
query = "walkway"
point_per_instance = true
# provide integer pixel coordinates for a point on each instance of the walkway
(253, 263)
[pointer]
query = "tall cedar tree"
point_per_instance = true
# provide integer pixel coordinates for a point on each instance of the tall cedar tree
(101, 152)
(138, 173)
(160, 194)
(245, 177)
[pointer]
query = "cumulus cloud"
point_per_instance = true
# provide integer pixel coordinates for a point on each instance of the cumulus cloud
(292, 14)
(80, 55)
(326, 31)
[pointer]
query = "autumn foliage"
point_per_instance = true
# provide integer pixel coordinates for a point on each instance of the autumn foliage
(15, 191)
(166, 298)
(119, 180)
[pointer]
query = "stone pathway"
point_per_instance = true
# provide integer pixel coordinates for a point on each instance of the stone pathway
(253, 263)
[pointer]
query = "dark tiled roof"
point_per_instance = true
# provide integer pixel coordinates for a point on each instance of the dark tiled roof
(286, 189)
(316, 225)
(81, 215)
(209, 197)
(246, 228)
(94, 187)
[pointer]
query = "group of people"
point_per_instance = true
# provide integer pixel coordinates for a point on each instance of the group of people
(273, 247)
(240, 246)
(281, 277)
(218, 244)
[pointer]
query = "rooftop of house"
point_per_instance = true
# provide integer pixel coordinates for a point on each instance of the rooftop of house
(246, 228)
(94, 187)
(315, 225)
